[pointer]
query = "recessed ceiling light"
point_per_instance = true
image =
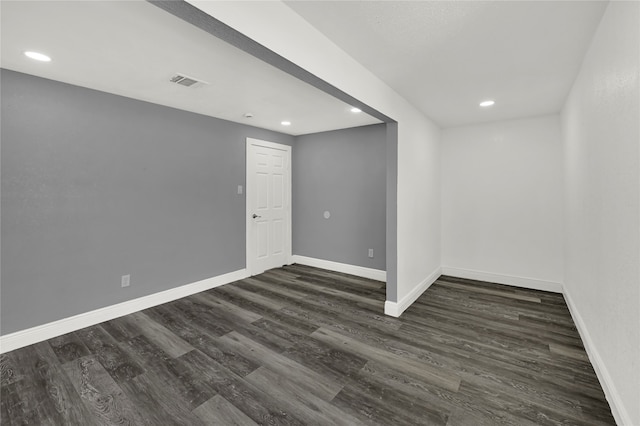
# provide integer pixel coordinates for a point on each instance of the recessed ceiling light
(37, 56)
(356, 110)
(487, 103)
(286, 123)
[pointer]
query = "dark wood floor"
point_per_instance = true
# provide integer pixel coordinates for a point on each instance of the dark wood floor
(300, 345)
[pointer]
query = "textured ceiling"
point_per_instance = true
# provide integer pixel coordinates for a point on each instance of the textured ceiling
(132, 48)
(447, 56)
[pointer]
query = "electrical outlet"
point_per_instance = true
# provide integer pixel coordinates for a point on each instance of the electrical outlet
(126, 281)
(371, 253)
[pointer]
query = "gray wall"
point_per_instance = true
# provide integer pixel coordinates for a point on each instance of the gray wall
(95, 186)
(343, 172)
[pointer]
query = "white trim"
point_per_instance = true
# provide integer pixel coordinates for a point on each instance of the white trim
(43, 332)
(360, 271)
(530, 283)
(395, 309)
(249, 250)
(618, 410)
(267, 144)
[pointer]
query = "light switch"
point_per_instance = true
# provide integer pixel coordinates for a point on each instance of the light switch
(239, 189)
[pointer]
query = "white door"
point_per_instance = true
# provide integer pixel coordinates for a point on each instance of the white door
(268, 205)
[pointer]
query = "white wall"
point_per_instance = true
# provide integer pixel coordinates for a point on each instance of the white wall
(272, 25)
(502, 202)
(419, 189)
(601, 134)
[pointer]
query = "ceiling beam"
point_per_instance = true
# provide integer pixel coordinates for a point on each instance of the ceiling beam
(191, 14)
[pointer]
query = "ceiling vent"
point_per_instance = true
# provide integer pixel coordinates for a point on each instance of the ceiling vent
(187, 81)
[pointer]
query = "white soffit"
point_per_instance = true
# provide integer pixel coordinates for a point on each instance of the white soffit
(133, 48)
(447, 56)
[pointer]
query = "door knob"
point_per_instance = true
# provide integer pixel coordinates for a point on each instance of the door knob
(255, 216)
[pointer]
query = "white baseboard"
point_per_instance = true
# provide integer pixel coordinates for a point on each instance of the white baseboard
(43, 332)
(395, 309)
(530, 283)
(618, 410)
(360, 271)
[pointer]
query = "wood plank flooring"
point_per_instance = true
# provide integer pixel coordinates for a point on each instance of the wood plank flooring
(299, 345)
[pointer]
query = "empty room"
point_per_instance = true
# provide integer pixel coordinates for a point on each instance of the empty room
(320, 212)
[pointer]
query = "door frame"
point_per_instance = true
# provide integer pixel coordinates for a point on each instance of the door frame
(250, 250)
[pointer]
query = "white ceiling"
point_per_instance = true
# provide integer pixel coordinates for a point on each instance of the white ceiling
(132, 48)
(447, 56)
